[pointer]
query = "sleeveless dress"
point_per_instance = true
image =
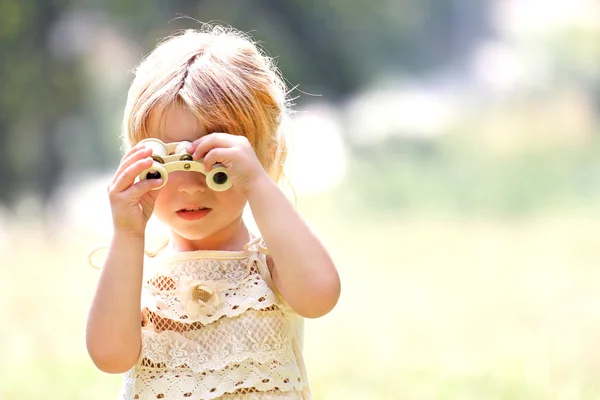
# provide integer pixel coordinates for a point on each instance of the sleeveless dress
(215, 327)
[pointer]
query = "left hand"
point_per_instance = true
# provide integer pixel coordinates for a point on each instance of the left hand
(235, 153)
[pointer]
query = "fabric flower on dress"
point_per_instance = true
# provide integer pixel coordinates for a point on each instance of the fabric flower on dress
(198, 296)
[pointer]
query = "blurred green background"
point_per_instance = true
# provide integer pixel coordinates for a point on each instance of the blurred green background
(448, 152)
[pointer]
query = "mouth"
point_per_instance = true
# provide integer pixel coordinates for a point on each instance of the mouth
(193, 213)
(193, 209)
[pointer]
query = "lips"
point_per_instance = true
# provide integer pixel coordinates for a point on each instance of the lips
(193, 213)
(191, 209)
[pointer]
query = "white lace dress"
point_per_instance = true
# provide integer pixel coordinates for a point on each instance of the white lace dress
(213, 326)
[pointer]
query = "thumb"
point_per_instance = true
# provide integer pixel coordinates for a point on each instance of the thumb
(147, 202)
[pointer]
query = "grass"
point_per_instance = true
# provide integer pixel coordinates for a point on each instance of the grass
(467, 310)
(432, 308)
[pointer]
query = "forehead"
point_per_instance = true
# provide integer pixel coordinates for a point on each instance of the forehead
(175, 124)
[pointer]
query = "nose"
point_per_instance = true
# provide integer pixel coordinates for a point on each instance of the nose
(189, 182)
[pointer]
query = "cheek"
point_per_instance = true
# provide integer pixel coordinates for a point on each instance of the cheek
(230, 199)
(162, 200)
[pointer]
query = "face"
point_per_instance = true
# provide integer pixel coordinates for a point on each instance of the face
(219, 225)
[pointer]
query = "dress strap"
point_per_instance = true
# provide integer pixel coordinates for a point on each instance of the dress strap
(258, 244)
(96, 264)
(260, 258)
(96, 261)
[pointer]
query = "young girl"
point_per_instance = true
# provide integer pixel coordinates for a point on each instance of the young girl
(217, 312)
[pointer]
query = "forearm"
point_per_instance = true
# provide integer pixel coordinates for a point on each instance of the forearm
(304, 272)
(113, 334)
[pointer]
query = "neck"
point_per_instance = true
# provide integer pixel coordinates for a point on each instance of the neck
(232, 237)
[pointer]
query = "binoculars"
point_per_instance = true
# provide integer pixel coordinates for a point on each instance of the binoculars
(171, 157)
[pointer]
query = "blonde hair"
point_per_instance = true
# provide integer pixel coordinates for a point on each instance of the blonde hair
(224, 79)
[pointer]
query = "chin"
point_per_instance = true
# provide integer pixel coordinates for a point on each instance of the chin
(194, 234)
(200, 232)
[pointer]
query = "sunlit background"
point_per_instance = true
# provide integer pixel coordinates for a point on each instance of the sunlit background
(447, 151)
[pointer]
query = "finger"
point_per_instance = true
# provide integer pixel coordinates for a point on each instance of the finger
(212, 141)
(137, 149)
(194, 144)
(143, 190)
(191, 147)
(219, 155)
(127, 177)
(147, 208)
(147, 201)
(132, 156)
(154, 193)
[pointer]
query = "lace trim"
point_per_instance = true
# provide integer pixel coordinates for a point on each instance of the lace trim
(251, 293)
(291, 395)
(127, 391)
(257, 335)
(230, 268)
(242, 377)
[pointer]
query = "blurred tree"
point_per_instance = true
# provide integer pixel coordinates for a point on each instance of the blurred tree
(329, 48)
(35, 92)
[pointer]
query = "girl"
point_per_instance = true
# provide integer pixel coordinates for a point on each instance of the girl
(221, 309)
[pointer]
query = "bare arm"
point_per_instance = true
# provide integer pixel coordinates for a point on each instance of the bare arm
(113, 335)
(302, 269)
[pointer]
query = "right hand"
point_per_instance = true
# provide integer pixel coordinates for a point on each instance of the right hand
(132, 202)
